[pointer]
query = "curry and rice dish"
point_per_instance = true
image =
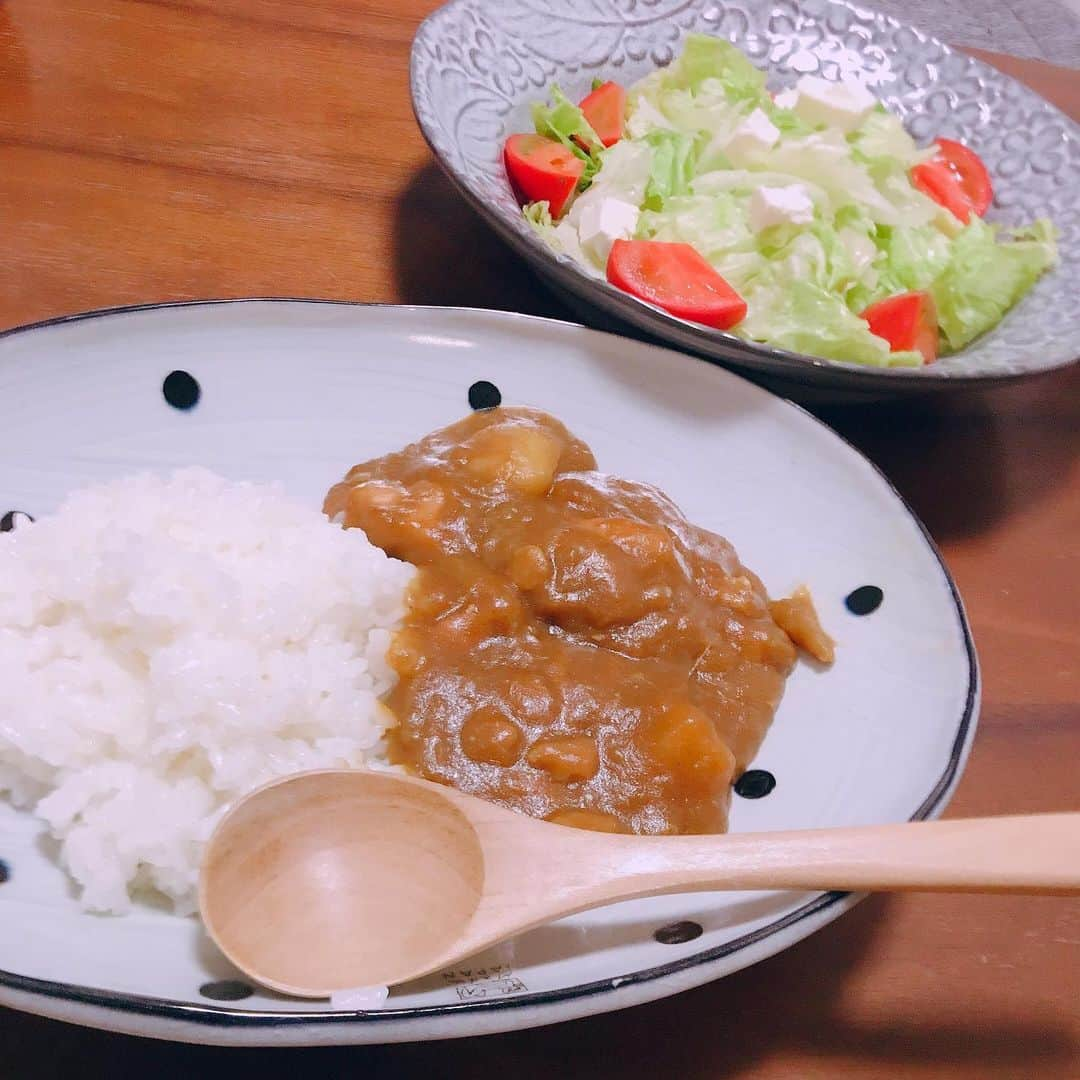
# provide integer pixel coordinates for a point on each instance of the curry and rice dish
(573, 647)
(565, 643)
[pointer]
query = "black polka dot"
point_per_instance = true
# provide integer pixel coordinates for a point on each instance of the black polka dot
(755, 784)
(484, 395)
(226, 990)
(181, 390)
(13, 519)
(677, 932)
(5, 872)
(864, 600)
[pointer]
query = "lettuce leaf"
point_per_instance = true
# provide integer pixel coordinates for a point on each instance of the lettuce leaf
(704, 57)
(625, 174)
(710, 71)
(673, 164)
(806, 318)
(538, 215)
(787, 120)
(984, 278)
(564, 121)
(717, 226)
(825, 159)
(883, 137)
(909, 258)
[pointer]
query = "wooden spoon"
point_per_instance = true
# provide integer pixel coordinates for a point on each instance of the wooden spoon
(337, 880)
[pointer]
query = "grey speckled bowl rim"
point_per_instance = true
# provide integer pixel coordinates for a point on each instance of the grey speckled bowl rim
(764, 360)
(216, 1016)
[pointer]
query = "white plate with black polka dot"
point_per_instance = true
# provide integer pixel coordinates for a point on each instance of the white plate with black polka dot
(296, 392)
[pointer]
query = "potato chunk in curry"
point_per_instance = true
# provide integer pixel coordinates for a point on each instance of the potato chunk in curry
(574, 648)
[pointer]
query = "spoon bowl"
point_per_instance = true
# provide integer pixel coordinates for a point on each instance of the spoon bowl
(306, 883)
(337, 880)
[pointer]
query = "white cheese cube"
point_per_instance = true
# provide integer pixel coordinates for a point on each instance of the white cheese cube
(844, 105)
(602, 223)
(789, 205)
(786, 99)
(754, 135)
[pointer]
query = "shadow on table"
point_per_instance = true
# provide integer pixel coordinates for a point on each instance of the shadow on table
(965, 461)
(786, 1006)
(445, 254)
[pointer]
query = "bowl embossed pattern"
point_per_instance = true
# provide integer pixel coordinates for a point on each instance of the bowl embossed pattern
(477, 66)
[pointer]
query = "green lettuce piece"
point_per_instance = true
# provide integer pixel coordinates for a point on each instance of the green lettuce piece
(906, 358)
(563, 120)
(984, 277)
(560, 236)
(910, 207)
(788, 122)
(825, 159)
(704, 94)
(833, 259)
(883, 137)
(803, 317)
(673, 164)
(624, 174)
(705, 57)
(707, 110)
(538, 214)
(914, 257)
(717, 226)
(910, 258)
(745, 181)
(838, 271)
(709, 72)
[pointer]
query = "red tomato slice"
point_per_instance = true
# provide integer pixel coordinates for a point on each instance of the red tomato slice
(970, 171)
(605, 109)
(907, 322)
(676, 278)
(957, 179)
(542, 169)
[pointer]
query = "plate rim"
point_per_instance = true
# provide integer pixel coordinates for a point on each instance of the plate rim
(766, 361)
(212, 1017)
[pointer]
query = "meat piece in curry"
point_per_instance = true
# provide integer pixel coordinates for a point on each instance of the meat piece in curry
(574, 648)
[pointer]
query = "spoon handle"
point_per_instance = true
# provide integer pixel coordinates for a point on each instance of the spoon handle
(1036, 853)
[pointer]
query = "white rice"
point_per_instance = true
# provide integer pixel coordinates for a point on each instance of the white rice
(168, 644)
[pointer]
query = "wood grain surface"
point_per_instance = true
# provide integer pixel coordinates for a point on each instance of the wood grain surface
(166, 149)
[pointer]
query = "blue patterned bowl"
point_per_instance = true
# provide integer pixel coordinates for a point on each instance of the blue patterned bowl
(478, 64)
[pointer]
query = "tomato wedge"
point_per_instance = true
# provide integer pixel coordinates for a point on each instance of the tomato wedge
(957, 179)
(936, 179)
(605, 109)
(970, 171)
(676, 278)
(907, 322)
(541, 169)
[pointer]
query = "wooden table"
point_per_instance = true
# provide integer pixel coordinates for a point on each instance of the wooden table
(169, 149)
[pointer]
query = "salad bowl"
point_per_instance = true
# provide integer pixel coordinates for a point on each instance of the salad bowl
(477, 68)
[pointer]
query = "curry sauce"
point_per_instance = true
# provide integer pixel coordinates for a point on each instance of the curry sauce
(574, 648)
